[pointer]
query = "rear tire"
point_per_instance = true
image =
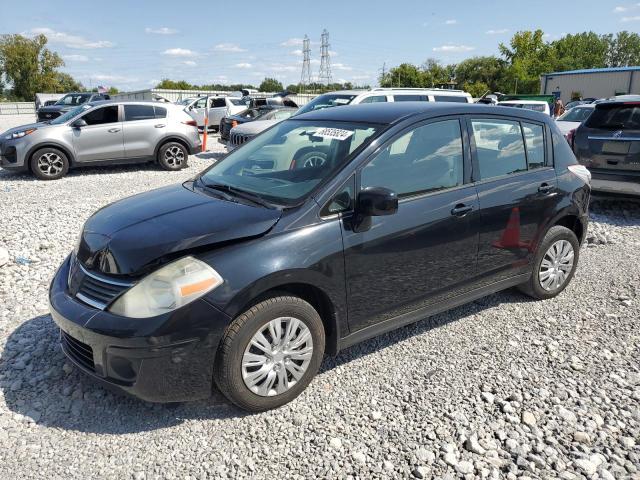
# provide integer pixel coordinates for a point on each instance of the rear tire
(261, 365)
(49, 164)
(554, 265)
(173, 156)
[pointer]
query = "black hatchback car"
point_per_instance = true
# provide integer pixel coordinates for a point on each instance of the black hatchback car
(247, 274)
(608, 144)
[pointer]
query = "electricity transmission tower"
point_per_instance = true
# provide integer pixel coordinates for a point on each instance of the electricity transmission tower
(325, 62)
(305, 77)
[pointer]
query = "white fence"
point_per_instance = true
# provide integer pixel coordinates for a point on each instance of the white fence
(17, 108)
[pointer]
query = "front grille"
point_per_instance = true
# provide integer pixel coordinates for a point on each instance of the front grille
(92, 289)
(78, 351)
(238, 139)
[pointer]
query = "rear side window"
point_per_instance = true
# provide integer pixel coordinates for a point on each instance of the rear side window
(534, 140)
(102, 115)
(218, 102)
(615, 116)
(499, 147)
(426, 159)
(450, 98)
(410, 98)
(376, 99)
(138, 112)
(161, 112)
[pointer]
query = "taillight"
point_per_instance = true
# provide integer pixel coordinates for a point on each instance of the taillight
(581, 172)
(571, 136)
(191, 123)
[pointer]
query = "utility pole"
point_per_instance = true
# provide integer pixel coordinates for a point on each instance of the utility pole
(383, 73)
(325, 61)
(305, 77)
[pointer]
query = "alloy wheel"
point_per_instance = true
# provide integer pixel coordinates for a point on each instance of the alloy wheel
(314, 161)
(50, 164)
(277, 356)
(174, 156)
(556, 265)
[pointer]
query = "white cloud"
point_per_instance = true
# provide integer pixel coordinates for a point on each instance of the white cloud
(190, 63)
(161, 30)
(71, 41)
(630, 19)
(179, 52)
(341, 66)
(452, 21)
(243, 65)
(298, 52)
(453, 48)
(292, 42)
(228, 47)
(112, 78)
(620, 9)
(497, 31)
(76, 58)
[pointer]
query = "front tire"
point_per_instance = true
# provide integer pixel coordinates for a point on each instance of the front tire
(49, 164)
(173, 156)
(270, 353)
(554, 265)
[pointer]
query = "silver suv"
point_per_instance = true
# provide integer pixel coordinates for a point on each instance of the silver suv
(99, 133)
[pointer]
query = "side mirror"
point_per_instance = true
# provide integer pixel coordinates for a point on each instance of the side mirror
(79, 123)
(376, 202)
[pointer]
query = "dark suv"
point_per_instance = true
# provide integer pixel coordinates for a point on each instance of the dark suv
(67, 103)
(248, 273)
(608, 144)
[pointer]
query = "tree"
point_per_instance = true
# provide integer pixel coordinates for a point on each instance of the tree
(167, 84)
(624, 50)
(270, 85)
(529, 57)
(404, 75)
(481, 72)
(113, 91)
(582, 50)
(66, 83)
(293, 88)
(28, 65)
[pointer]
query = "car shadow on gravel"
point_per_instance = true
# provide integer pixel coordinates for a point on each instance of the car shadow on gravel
(39, 385)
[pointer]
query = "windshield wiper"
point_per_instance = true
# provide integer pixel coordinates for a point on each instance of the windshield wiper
(237, 192)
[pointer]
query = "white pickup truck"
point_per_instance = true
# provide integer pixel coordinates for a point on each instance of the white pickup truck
(219, 107)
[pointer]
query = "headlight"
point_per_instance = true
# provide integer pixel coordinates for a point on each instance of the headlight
(167, 289)
(21, 134)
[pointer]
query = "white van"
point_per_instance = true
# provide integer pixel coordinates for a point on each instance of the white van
(376, 95)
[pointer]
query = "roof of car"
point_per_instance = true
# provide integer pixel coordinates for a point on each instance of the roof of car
(525, 102)
(131, 102)
(392, 112)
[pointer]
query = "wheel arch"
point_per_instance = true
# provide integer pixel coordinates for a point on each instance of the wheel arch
(173, 138)
(48, 144)
(573, 223)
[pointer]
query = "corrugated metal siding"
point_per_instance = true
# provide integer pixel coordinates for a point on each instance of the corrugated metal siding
(594, 84)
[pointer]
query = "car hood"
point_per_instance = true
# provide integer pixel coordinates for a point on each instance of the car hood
(566, 127)
(56, 108)
(255, 127)
(24, 127)
(139, 233)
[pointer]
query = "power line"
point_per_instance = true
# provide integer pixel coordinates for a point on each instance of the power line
(305, 77)
(325, 61)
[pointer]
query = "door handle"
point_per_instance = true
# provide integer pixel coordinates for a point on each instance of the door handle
(545, 188)
(113, 130)
(160, 125)
(461, 210)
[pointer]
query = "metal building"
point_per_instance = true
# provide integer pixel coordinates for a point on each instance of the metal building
(596, 83)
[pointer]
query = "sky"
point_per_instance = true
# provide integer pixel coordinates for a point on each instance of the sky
(133, 44)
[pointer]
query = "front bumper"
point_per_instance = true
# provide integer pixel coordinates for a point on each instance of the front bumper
(160, 359)
(11, 156)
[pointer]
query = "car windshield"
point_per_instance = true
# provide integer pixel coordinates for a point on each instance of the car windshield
(285, 163)
(185, 101)
(326, 101)
(74, 99)
(70, 114)
(576, 114)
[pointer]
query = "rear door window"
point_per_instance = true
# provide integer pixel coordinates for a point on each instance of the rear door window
(615, 116)
(138, 112)
(534, 141)
(160, 112)
(375, 99)
(450, 98)
(410, 98)
(218, 103)
(499, 147)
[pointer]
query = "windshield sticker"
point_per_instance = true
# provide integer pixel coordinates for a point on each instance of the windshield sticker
(333, 133)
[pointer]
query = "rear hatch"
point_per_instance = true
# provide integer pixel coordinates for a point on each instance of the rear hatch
(609, 141)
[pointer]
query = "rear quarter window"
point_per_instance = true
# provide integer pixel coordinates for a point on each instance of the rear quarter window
(614, 116)
(450, 98)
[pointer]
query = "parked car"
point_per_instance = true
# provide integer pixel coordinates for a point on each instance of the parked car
(575, 103)
(67, 103)
(536, 105)
(384, 95)
(249, 272)
(245, 131)
(218, 107)
(265, 112)
(571, 119)
(608, 144)
(98, 133)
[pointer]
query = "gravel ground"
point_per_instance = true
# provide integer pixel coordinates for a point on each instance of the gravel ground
(501, 388)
